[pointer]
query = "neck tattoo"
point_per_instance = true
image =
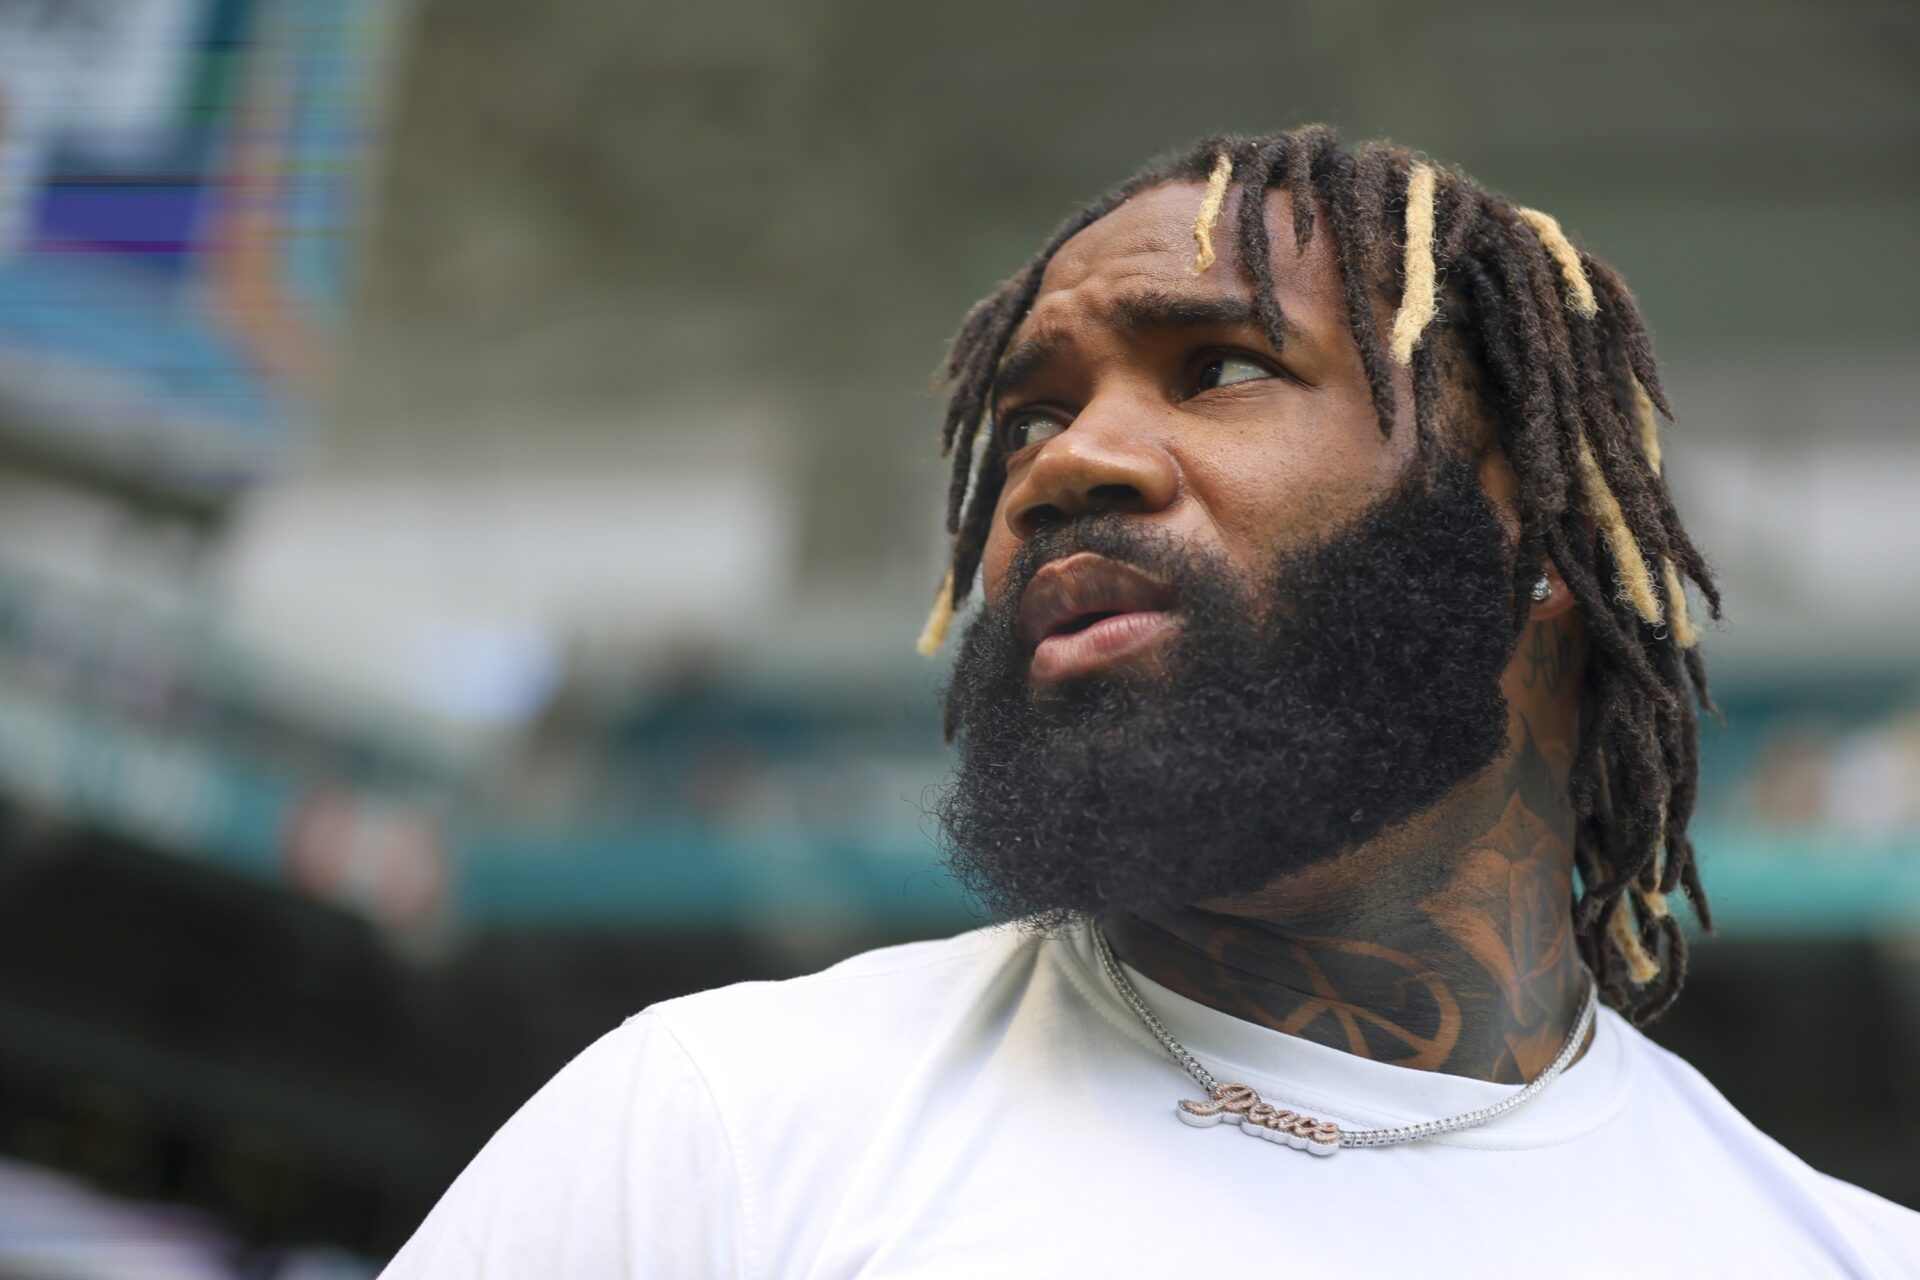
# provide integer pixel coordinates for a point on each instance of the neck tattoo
(1262, 1119)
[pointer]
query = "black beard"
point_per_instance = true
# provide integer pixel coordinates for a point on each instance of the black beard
(1356, 686)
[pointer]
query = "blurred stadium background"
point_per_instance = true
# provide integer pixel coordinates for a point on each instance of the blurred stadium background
(468, 491)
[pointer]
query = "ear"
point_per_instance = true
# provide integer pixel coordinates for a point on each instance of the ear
(1559, 596)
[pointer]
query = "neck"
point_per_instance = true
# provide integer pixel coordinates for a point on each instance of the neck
(1445, 944)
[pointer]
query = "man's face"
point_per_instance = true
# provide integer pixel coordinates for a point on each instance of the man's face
(1229, 628)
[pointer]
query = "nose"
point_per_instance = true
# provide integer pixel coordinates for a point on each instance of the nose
(1104, 461)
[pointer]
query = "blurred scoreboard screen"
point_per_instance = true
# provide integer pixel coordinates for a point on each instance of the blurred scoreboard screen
(180, 185)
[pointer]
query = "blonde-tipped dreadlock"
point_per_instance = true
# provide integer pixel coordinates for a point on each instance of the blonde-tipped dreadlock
(1635, 576)
(941, 614)
(1641, 967)
(1579, 289)
(1620, 541)
(1418, 299)
(1685, 634)
(1566, 372)
(1210, 211)
(1647, 424)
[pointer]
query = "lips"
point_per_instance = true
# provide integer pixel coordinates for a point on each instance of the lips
(1084, 611)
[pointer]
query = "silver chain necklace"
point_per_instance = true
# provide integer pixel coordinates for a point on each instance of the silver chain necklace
(1302, 1132)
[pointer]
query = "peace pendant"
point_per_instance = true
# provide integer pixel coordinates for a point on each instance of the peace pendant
(1262, 1120)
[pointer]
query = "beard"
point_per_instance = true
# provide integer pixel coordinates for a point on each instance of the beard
(1348, 689)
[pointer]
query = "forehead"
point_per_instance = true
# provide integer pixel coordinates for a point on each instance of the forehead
(1147, 246)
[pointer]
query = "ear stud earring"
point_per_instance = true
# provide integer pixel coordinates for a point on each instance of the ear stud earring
(1542, 589)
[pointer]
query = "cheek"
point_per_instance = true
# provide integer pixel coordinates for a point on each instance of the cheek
(1277, 488)
(996, 553)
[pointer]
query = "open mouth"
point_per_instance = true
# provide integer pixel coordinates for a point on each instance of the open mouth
(1086, 611)
(1081, 622)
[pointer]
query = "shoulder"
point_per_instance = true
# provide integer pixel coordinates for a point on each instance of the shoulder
(870, 1008)
(808, 1081)
(1887, 1233)
(1883, 1236)
(811, 1067)
(655, 1150)
(573, 1182)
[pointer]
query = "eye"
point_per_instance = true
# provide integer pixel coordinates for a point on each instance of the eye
(1224, 370)
(1018, 430)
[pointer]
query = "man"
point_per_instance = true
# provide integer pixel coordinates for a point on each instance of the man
(1334, 620)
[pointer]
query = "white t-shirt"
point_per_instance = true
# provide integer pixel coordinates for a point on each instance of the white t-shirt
(985, 1106)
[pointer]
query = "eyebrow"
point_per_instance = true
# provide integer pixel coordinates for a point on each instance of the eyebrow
(1135, 313)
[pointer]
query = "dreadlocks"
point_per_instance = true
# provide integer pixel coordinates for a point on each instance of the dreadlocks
(1571, 380)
